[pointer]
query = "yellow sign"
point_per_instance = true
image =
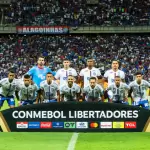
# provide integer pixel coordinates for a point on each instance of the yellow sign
(118, 125)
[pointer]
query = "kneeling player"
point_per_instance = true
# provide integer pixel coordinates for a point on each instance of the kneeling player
(119, 91)
(70, 91)
(50, 90)
(138, 89)
(27, 93)
(93, 92)
(8, 88)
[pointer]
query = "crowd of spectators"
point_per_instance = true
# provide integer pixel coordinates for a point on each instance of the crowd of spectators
(21, 52)
(78, 12)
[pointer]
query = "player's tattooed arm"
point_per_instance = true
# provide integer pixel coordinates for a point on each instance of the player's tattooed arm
(130, 95)
(78, 96)
(83, 96)
(62, 97)
(102, 98)
(40, 96)
(58, 96)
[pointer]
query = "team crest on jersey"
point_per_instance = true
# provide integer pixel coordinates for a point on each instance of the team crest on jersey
(52, 89)
(94, 73)
(13, 85)
(23, 90)
(30, 90)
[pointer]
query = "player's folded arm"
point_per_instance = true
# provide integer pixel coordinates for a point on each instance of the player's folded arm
(102, 96)
(62, 97)
(40, 95)
(58, 96)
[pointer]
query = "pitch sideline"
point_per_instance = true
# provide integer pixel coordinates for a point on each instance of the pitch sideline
(72, 142)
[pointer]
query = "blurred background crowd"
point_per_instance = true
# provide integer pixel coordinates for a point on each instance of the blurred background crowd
(21, 52)
(78, 12)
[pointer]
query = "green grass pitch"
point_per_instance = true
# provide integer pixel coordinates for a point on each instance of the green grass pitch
(85, 141)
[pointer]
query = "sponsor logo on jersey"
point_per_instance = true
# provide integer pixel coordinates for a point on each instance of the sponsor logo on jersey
(65, 78)
(46, 125)
(130, 124)
(58, 124)
(81, 125)
(106, 125)
(118, 125)
(34, 125)
(93, 125)
(22, 125)
(41, 76)
(70, 125)
(69, 73)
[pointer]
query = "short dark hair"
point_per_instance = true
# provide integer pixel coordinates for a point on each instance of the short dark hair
(138, 73)
(116, 61)
(117, 76)
(11, 70)
(70, 76)
(90, 58)
(41, 57)
(49, 73)
(27, 76)
(66, 59)
(93, 78)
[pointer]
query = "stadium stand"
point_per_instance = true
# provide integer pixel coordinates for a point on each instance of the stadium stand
(21, 52)
(78, 12)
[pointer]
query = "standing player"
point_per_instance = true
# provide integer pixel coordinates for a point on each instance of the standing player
(63, 73)
(70, 91)
(110, 75)
(27, 93)
(93, 92)
(87, 73)
(38, 73)
(139, 88)
(50, 90)
(118, 90)
(9, 87)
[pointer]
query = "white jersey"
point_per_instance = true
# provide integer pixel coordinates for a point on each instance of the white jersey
(110, 75)
(70, 93)
(139, 91)
(93, 94)
(63, 74)
(50, 91)
(28, 93)
(87, 73)
(119, 93)
(8, 89)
